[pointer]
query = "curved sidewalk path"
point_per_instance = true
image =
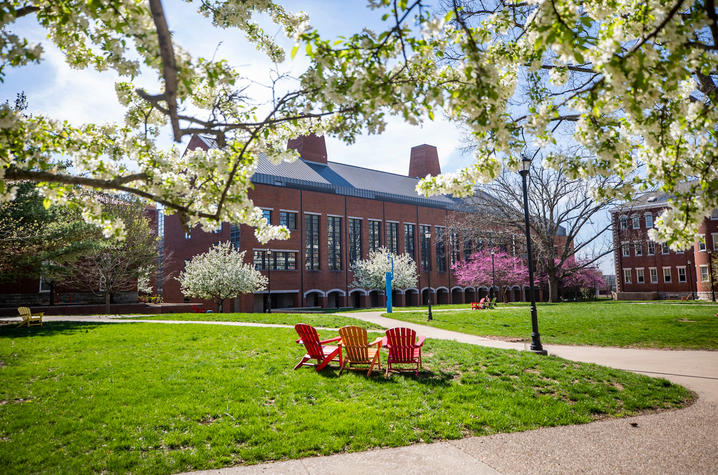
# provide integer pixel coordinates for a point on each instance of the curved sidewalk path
(679, 441)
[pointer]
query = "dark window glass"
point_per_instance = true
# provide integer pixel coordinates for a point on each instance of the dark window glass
(260, 260)
(392, 238)
(355, 247)
(234, 236)
(267, 214)
(440, 249)
(425, 247)
(454, 245)
(288, 219)
(334, 242)
(409, 240)
(374, 235)
(311, 242)
(468, 248)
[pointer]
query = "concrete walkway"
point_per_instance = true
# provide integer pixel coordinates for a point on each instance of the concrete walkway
(679, 441)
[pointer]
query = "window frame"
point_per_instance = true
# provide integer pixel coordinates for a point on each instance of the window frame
(651, 272)
(701, 268)
(640, 275)
(669, 280)
(334, 243)
(627, 278)
(685, 274)
(312, 236)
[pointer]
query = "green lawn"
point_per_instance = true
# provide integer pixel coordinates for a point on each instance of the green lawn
(86, 397)
(325, 320)
(624, 324)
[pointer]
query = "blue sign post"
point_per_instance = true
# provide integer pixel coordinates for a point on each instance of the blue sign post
(389, 278)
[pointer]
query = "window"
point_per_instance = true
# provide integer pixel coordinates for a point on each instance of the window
(626, 276)
(374, 235)
(704, 273)
(665, 249)
(625, 249)
(160, 223)
(334, 242)
(284, 260)
(267, 214)
(714, 238)
(311, 242)
(188, 234)
(679, 252)
(279, 260)
(651, 248)
(640, 276)
(468, 248)
(654, 275)
(392, 238)
(623, 223)
(355, 248)
(701, 242)
(219, 229)
(44, 285)
(636, 221)
(234, 236)
(409, 240)
(667, 275)
(638, 248)
(425, 247)
(288, 219)
(454, 246)
(440, 249)
(649, 220)
(714, 214)
(681, 273)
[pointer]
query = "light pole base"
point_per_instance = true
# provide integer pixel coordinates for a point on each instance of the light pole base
(539, 352)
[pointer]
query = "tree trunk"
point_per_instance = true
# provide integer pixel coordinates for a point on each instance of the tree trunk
(107, 302)
(219, 305)
(552, 288)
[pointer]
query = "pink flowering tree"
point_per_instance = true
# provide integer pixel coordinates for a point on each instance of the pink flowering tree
(508, 270)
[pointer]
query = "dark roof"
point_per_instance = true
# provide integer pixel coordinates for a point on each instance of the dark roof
(345, 180)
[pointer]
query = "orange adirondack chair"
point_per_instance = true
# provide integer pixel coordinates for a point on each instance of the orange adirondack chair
(316, 349)
(403, 348)
(356, 343)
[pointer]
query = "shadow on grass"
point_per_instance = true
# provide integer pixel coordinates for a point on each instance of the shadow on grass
(48, 329)
(425, 376)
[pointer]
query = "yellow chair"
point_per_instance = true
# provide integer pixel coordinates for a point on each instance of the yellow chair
(358, 351)
(28, 318)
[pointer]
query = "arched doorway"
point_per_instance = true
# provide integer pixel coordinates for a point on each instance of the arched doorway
(374, 298)
(412, 297)
(469, 295)
(335, 299)
(313, 299)
(442, 296)
(457, 295)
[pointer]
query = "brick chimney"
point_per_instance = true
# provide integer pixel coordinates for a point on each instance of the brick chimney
(424, 161)
(310, 147)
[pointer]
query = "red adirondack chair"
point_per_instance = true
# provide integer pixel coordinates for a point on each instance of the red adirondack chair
(316, 349)
(403, 349)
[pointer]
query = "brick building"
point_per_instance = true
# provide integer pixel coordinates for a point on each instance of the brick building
(650, 270)
(337, 213)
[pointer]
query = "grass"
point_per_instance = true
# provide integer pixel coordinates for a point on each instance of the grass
(89, 397)
(622, 324)
(326, 320)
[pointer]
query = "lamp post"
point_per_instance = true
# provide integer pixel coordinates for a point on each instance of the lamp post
(427, 253)
(269, 281)
(535, 337)
(493, 276)
(710, 274)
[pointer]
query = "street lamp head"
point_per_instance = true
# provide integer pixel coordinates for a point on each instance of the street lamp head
(525, 164)
(493, 252)
(427, 235)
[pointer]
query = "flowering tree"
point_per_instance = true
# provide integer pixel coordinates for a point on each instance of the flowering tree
(220, 274)
(586, 278)
(633, 83)
(478, 272)
(163, 86)
(370, 273)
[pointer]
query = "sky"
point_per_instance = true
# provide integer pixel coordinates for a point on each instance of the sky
(82, 96)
